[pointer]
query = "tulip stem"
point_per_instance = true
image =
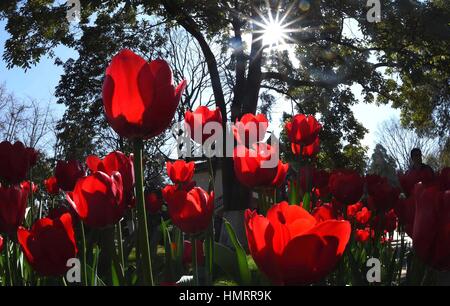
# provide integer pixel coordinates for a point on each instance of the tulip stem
(194, 260)
(8, 262)
(120, 244)
(84, 264)
(142, 217)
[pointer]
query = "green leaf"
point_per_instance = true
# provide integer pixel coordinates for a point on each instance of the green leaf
(226, 259)
(307, 201)
(244, 272)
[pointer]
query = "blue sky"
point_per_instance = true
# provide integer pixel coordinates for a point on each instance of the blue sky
(40, 81)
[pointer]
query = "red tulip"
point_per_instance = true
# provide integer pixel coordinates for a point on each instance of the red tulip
(363, 216)
(153, 203)
(347, 186)
(252, 167)
(187, 252)
(410, 178)
(139, 96)
(49, 244)
(291, 247)
(382, 196)
(353, 209)
(250, 129)
(309, 150)
(303, 129)
(15, 161)
(13, 202)
(1, 243)
(116, 161)
(431, 231)
(67, 173)
(405, 210)
(180, 171)
(313, 178)
(51, 185)
(98, 199)
(324, 212)
(196, 121)
(282, 171)
(390, 221)
(26, 185)
(362, 235)
(191, 211)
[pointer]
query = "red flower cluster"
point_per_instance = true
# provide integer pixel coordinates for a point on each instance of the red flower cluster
(116, 161)
(190, 208)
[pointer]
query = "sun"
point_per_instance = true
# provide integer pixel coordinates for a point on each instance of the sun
(274, 29)
(274, 34)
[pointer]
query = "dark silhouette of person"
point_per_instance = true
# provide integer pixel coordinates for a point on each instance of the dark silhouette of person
(417, 163)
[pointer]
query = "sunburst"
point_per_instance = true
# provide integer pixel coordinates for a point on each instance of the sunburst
(274, 28)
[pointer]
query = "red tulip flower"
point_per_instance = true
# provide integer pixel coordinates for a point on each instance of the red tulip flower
(98, 199)
(390, 221)
(196, 121)
(324, 212)
(116, 161)
(382, 196)
(353, 209)
(49, 244)
(51, 185)
(414, 176)
(405, 210)
(312, 178)
(250, 129)
(363, 216)
(191, 211)
(347, 186)
(252, 166)
(303, 129)
(67, 173)
(307, 151)
(187, 253)
(153, 203)
(431, 231)
(1, 243)
(15, 161)
(180, 171)
(30, 186)
(291, 247)
(282, 171)
(362, 235)
(139, 96)
(13, 202)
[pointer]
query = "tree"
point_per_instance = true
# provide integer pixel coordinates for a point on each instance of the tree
(330, 61)
(398, 142)
(383, 165)
(28, 121)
